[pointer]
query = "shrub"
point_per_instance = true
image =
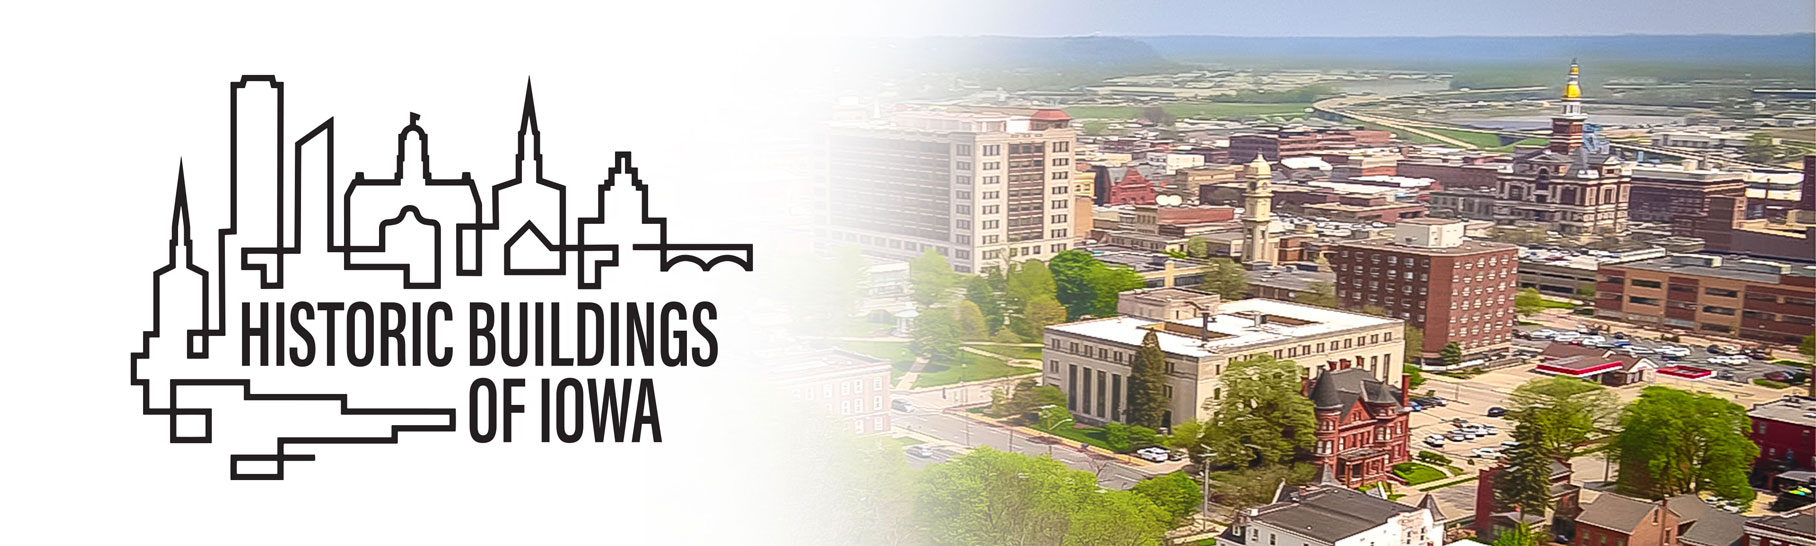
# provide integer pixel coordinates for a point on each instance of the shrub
(1763, 382)
(1433, 457)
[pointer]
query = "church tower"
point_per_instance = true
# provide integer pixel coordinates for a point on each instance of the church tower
(1567, 126)
(1259, 249)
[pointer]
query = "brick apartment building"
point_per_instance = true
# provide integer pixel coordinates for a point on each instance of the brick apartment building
(1727, 229)
(1466, 174)
(1752, 299)
(1298, 143)
(1455, 289)
(1785, 432)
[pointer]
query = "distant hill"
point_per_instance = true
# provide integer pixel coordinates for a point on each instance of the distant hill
(1009, 53)
(1415, 52)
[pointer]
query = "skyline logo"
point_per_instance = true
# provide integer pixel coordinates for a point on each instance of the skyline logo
(420, 227)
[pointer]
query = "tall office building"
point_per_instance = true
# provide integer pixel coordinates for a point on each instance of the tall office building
(983, 186)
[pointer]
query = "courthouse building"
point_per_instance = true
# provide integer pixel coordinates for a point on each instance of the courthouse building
(1090, 360)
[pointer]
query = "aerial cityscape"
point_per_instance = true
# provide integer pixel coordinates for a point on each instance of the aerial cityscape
(1190, 290)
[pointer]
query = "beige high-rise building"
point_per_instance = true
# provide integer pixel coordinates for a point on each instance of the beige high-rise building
(983, 186)
(1259, 248)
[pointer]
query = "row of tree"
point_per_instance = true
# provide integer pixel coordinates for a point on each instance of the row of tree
(1667, 442)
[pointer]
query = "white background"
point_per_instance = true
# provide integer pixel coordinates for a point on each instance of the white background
(101, 102)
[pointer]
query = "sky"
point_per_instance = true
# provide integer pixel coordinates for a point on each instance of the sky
(1344, 18)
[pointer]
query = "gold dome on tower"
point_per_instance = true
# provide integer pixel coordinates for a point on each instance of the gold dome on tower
(1571, 89)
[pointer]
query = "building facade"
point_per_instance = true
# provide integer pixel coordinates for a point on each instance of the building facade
(1454, 289)
(1259, 248)
(1329, 514)
(1090, 360)
(1785, 433)
(981, 186)
(850, 386)
(1668, 194)
(1750, 299)
(1361, 431)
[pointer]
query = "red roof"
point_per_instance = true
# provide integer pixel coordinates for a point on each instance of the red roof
(1050, 115)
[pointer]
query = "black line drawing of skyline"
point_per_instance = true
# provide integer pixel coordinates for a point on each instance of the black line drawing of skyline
(266, 254)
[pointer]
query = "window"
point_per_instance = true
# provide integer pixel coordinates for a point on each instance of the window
(964, 165)
(1061, 175)
(1721, 292)
(961, 150)
(1062, 146)
(993, 150)
(1061, 161)
(1647, 284)
(987, 180)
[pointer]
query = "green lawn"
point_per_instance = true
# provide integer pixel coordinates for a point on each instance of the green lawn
(1484, 140)
(906, 441)
(1089, 435)
(1551, 304)
(970, 367)
(1530, 142)
(1196, 110)
(1770, 384)
(1009, 351)
(1417, 473)
(1789, 362)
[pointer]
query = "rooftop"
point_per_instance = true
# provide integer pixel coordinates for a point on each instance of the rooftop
(1291, 278)
(1703, 265)
(1615, 512)
(1234, 327)
(1796, 410)
(806, 366)
(1801, 522)
(1330, 514)
(1467, 248)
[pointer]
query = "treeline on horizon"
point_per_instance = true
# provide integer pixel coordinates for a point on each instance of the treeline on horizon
(1476, 62)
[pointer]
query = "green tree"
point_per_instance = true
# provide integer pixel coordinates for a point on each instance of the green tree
(1116, 435)
(936, 336)
(1673, 442)
(1452, 354)
(989, 303)
(1085, 286)
(1528, 302)
(1071, 271)
(1808, 348)
(1245, 487)
(1564, 412)
(1176, 494)
(1261, 417)
(1227, 279)
(1414, 339)
(988, 498)
(1026, 397)
(1027, 281)
(1321, 294)
(1760, 148)
(1414, 375)
(1185, 435)
(1525, 478)
(1197, 247)
(1585, 292)
(1520, 534)
(1055, 417)
(1147, 384)
(930, 278)
(1108, 282)
(1159, 116)
(971, 324)
(1040, 313)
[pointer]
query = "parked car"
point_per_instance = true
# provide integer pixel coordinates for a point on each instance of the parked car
(1725, 375)
(919, 451)
(1673, 351)
(1457, 436)
(1176, 455)
(1486, 452)
(1728, 360)
(1510, 443)
(902, 405)
(1415, 406)
(1434, 440)
(1566, 337)
(1636, 350)
(1724, 349)
(1497, 411)
(1783, 376)
(1542, 334)
(1757, 353)
(1152, 454)
(1491, 430)
(1620, 335)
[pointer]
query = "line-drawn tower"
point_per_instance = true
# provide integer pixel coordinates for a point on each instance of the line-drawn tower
(530, 211)
(412, 204)
(179, 325)
(1258, 246)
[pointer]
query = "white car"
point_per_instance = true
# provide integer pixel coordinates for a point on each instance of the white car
(1636, 350)
(1490, 430)
(1566, 337)
(1728, 360)
(1486, 452)
(1542, 334)
(1434, 440)
(1152, 454)
(919, 451)
(1673, 351)
(1592, 340)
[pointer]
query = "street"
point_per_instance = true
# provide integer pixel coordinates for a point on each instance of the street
(958, 434)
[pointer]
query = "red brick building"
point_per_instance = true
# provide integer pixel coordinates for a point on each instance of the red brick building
(1678, 195)
(1785, 431)
(1751, 299)
(1127, 186)
(1361, 431)
(1456, 290)
(1288, 143)
(1460, 175)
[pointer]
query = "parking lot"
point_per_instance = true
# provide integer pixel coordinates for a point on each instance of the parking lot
(1468, 403)
(1699, 356)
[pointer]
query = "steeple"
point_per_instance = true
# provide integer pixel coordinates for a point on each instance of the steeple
(1567, 125)
(412, 166)
(529, 139)
(179, 221)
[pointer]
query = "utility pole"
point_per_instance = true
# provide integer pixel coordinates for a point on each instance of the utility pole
(1205, 507)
